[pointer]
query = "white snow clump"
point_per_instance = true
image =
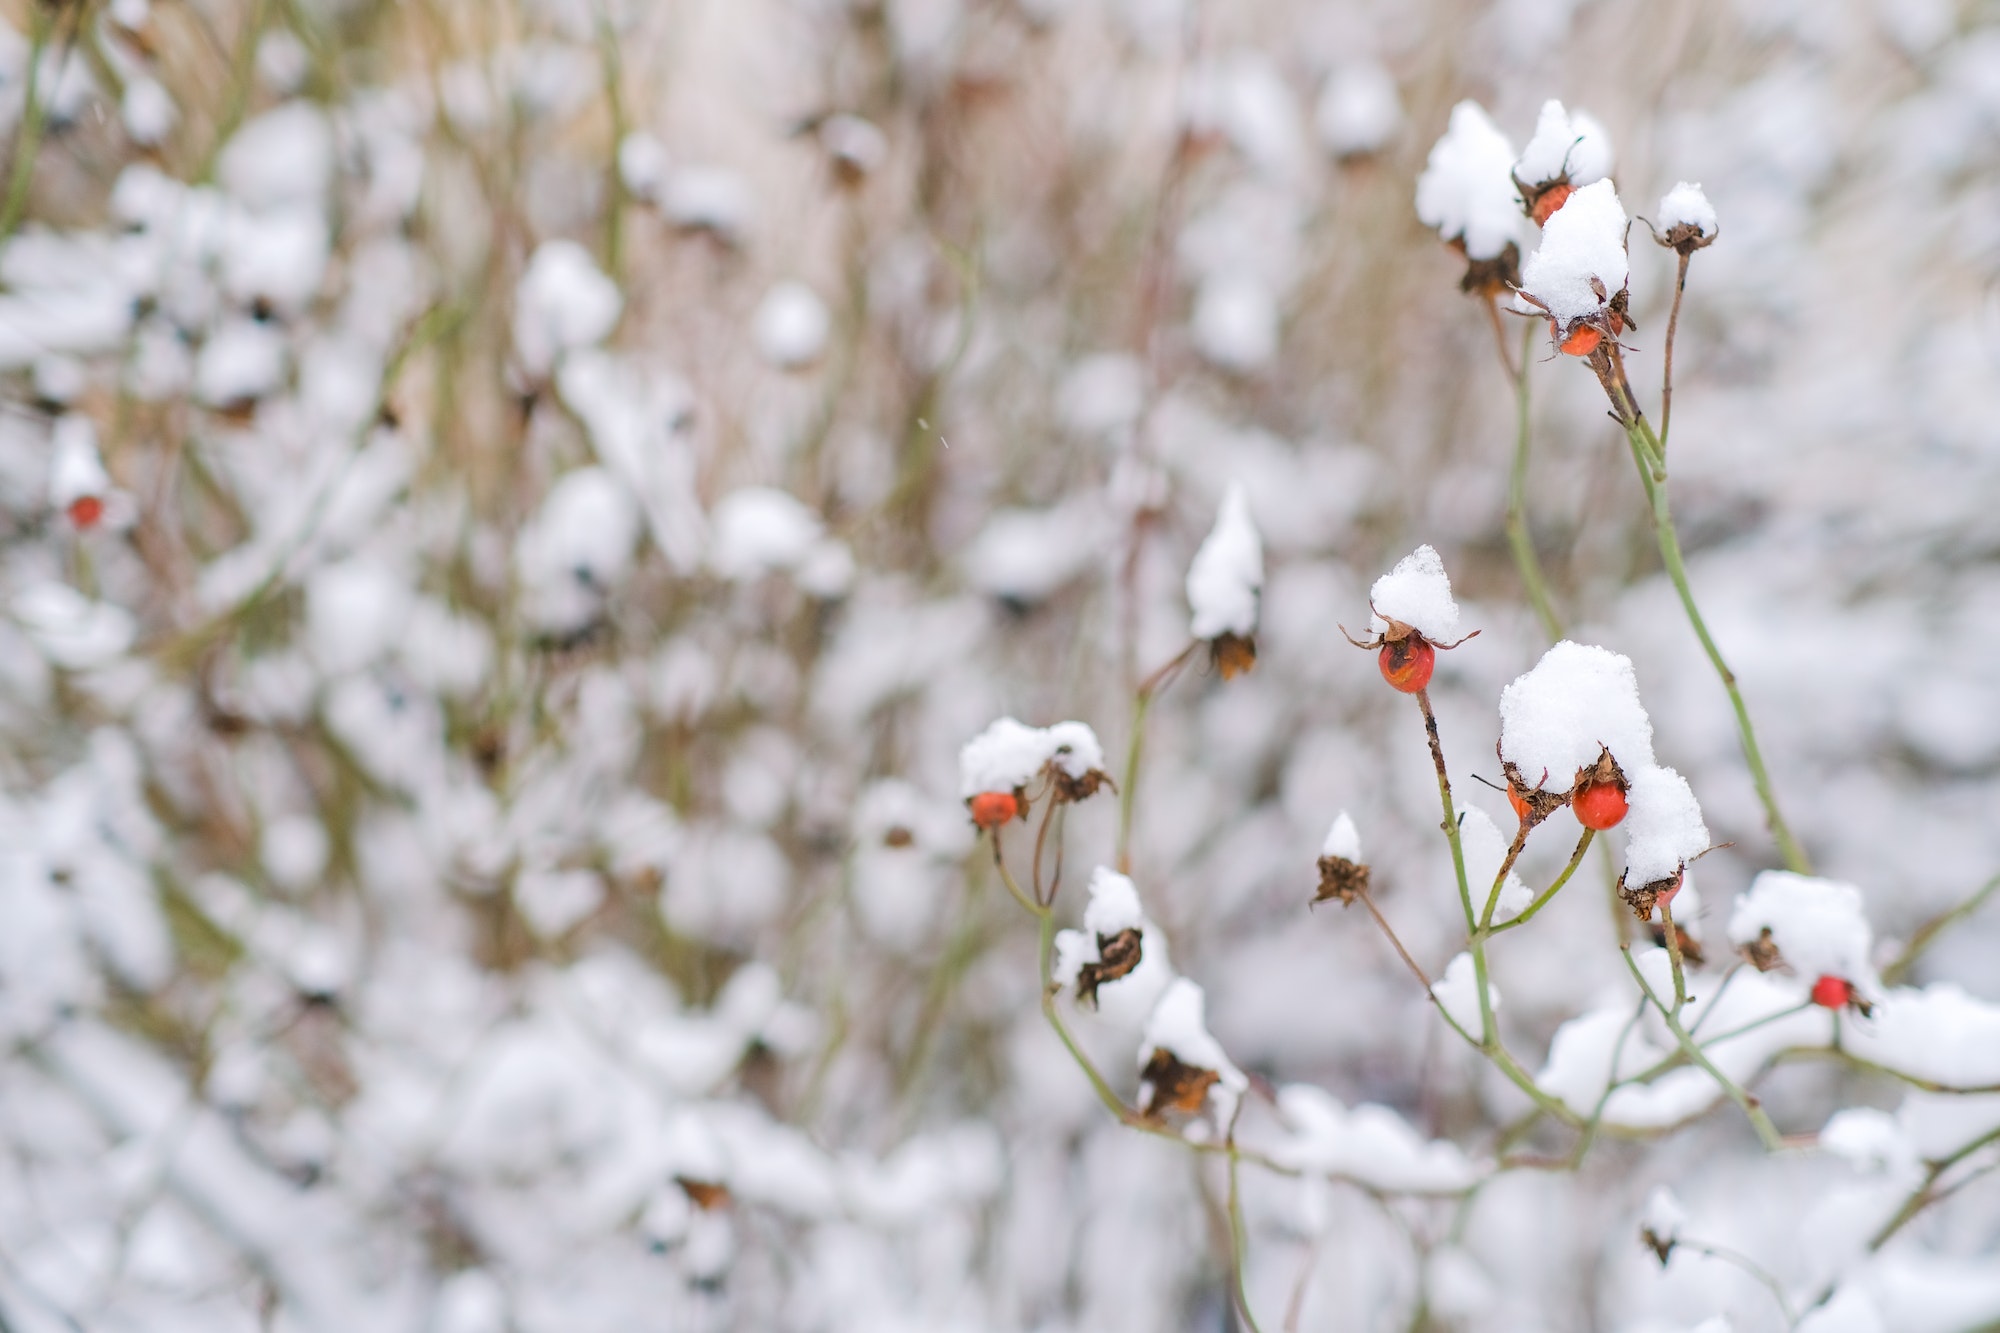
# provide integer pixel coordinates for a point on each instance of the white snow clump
(564, 301)
(1568, 144)
(1577, 700)
(1817, 925)
(1418, 593)
(1467, 189)
(1227, 573)
(1663, 826)
(1343, 839)
(792, 325)
(1686, 206)
(1011, 754)
(1580, 264)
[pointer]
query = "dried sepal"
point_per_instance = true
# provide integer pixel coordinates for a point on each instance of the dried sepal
(1167, 1084)
(1069, 789)
(1532, 803)
(1762, 952)
(1657, 1243)
(1491, 278)
(1341, 879)
(1117, 955)
(706, 1195)
(1232, 655)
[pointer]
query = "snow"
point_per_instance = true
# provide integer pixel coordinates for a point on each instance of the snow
(758, 531)
(854, 143)
(75, 470)
(1114, 904)
(1467, 189)
(1368, 1144)
(1458, 992)
(1418, 593)
(1343, 839)
(1576, 701)
(1565, 145)
(1663, 826)
(1007, 755)
(564, 301)
(241, 362)
(1028, 555)
(792, 325)
(1235, 321)
(1663, 1216)
(1073, 748)
(1817, 924)
(148, 111)
(1581, 263)
(576, 549)
(1580, 1064)
(1484, 847)
(1686, 206)
(72, 630)
(281, 158)
(1179, 1026)
(1359, 110)
(1227, 573)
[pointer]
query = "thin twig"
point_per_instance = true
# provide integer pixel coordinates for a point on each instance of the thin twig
(1519, 537)
(1930, 930)
(1142, 703)
(1667, 376)
(1575, 860)
(1752, 1108)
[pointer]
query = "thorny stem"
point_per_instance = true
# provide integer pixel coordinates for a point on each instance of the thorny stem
(1674, 958)
(1518, 536)
(1645, 447)
(1930, 930)
(1767, 1132)
(1667, 374)
(1575, 860)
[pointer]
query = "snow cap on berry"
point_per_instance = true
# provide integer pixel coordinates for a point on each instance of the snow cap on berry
(1227, 573)
(1417, 593)
(1574, 704)
(1010, 754)
(1117, 962)
(1568, 148)
(1817, 926)
(1006, 755)
(75, 471)
(1663, 826)
(1580, 264)
(1467, 188)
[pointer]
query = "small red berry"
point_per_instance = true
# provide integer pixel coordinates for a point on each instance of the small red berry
(85, 510)
(1832, 993)
(1519, 800)
(1407, 663)
(991, 809)
(1582, 341)
(1549, 201)
(1599, 806)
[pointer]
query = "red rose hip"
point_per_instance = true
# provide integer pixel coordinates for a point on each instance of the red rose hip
(1832, 993)
(1407, 663)
(1599, 806)
(85, 510)
(991, 809)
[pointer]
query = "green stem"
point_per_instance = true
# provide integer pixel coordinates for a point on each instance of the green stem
(1239, 1241)
(614, 96)
(1500, 881)
(1575, 860)
(1767, 1132)
(1674, 958)
(28, 141)
(1128, 790)
(1652, 475)
(1518, 537)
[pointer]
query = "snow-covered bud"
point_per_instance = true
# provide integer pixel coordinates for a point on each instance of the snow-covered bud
(1411, 613)
(1223, 585)
(1661, 1222)
(1687, 219)
(78, 483)
(1570, 150)
(1182, 1067)
(1578, 275)
(1467, 193)
(1343, 875)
